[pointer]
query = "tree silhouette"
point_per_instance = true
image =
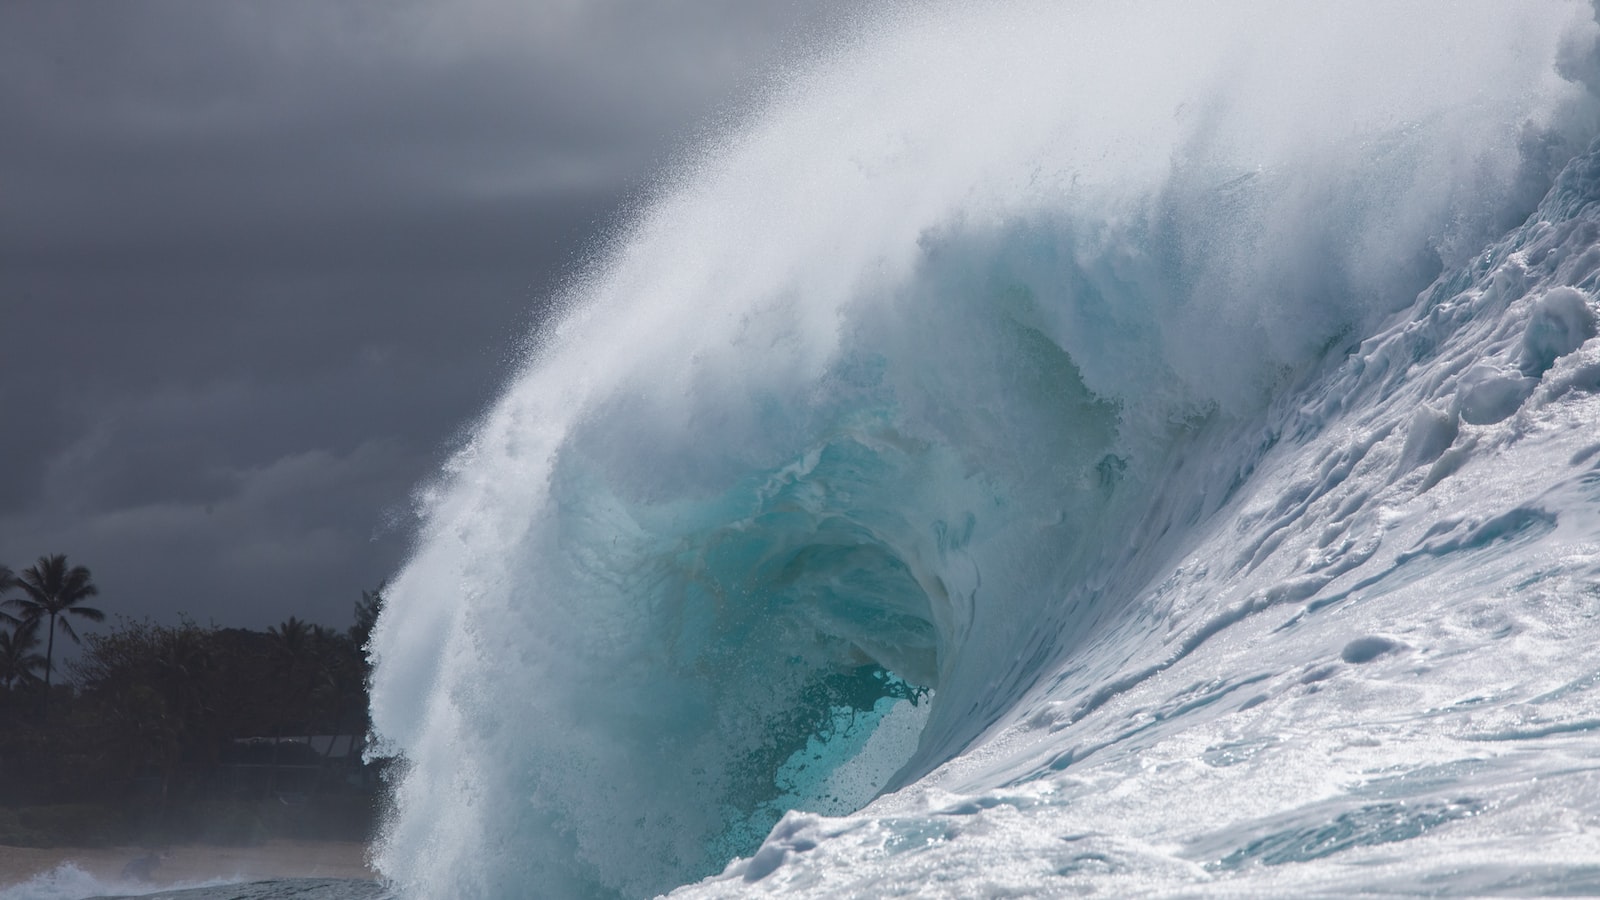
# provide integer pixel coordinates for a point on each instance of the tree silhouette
(19, 664)
(292, 652)
(186, 707)
(50, 589)
(367, 610)
(7, 582)
(292, 647)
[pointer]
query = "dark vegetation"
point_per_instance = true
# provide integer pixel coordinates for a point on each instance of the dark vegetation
(160, 733)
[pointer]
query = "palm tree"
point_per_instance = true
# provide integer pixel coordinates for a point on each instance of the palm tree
(18, 663)
(367, 610)
(292, 645)
(296, 647)
(7, 582)
(51, 589)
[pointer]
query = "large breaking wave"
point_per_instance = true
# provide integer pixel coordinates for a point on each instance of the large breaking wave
(888, 432)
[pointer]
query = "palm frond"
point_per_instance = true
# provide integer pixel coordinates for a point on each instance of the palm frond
(31, 609)
(87, 612)
(32, 587)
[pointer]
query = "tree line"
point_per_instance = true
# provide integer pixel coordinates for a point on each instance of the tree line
(177, 731)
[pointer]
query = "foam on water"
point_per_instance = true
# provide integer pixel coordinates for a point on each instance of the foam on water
(70, 882)
(1000, 356)
(64, 882)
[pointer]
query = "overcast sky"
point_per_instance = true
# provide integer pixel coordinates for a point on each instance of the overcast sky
(261, 263)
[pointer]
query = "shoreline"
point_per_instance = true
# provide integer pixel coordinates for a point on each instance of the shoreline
(194, 863)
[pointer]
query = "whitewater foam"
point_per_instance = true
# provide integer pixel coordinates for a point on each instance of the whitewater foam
(70, 882)
(938, 367)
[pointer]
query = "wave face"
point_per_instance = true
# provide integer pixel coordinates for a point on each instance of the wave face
(1031, 419)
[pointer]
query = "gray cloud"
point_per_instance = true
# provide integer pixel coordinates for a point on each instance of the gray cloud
(261, 262)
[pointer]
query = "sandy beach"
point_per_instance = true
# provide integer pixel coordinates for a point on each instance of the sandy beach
(189, 863)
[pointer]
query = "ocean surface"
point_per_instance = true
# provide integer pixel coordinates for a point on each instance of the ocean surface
(276, 889)
(1048, 449)
(69, 882)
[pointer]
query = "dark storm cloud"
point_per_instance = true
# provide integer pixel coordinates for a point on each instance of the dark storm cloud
(259, 262)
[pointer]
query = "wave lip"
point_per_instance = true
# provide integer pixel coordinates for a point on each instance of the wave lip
(1032, 324)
